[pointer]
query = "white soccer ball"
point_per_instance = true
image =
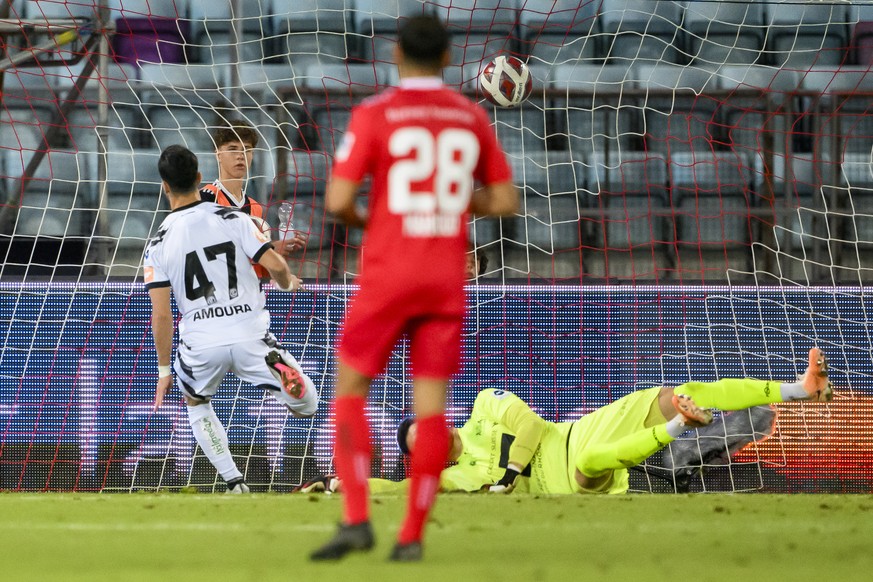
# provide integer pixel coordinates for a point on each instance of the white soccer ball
(506, 81)
(263, 228)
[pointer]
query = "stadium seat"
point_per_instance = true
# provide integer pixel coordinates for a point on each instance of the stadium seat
(48, 206)
(520, 129)
(332, 90)
(862, 41)
(640, 30)
(679, 116)
(269, 84)
(481, 29)
(483, 231)
(797, 190)
(376, 24)
(598, 116)
(711, 195)
(314, 32)
(555, 32)
(18, 8)
(840, 113)
(131, 172)
(27, 82)
(124, 128)
(214, 32)
(803, 35)
(193, 85)
(155, 40)
(20, 129)
(181, 125)
(857, 170)
(549, 173)
(721, 33)
(134, 206)
(550, 185)
(307, 173)
(549, 223)
(149, 8)
(631, 190)
(49, 214)
(54, 10)
(754, 109)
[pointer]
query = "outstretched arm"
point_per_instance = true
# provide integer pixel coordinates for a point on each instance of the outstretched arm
(499, 199)
(279, 271)
(339, 200)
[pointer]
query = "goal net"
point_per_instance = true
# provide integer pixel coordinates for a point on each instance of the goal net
(697, 204)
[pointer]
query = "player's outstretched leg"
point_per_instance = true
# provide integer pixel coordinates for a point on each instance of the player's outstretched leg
(739, 394)
(597, 461)
(291, 379)
(348, 538)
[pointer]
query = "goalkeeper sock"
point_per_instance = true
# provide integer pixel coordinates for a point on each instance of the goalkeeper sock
(429, 458)
(793, 391)
(212, 438)
(351, 451)
(599, 458)
(732, 394)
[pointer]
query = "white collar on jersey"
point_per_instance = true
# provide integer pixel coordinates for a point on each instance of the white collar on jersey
(421, 82)
(229, 196)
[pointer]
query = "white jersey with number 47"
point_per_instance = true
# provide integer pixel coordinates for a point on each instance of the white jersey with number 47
(203, 252)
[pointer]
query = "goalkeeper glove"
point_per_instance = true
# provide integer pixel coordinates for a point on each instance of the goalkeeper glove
(507, 482)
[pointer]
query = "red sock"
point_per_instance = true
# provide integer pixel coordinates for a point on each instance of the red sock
(351, 452)
(428, 460)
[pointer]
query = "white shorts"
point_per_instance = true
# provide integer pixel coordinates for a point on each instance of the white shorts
(199, 372)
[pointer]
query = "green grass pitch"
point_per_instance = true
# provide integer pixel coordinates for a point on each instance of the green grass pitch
(176, 537)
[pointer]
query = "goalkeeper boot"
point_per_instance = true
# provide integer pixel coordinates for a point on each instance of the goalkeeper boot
(411, 552)
(693, 416)
(286, 374)
(237, 486)
(349, 538)
(815, 379)
(321, 484)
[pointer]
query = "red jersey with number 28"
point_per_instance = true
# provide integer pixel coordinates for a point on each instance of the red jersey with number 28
(423, 145)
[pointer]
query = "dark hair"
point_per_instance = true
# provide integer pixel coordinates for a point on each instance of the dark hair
(424, 40)
(178, 168)
(235, 130)
(481, 261)
(402, 431)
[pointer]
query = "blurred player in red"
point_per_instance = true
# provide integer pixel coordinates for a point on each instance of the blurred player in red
(424, 146)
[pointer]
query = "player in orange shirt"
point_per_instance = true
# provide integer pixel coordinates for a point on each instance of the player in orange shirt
(234, 149)
(423, 145)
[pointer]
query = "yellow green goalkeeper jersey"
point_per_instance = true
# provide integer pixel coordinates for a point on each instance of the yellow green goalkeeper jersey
(487, 442)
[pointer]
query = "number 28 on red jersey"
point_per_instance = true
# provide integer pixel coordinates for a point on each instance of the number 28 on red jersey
(447, 160)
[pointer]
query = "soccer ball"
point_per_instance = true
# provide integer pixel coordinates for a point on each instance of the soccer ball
(263, 228)
(506, 81)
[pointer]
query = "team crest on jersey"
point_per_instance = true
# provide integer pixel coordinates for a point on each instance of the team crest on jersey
(499, 393)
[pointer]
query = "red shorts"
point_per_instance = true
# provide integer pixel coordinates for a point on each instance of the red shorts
(432, 319)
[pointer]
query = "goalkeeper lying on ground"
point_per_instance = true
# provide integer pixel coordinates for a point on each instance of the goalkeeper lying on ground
(505, 445)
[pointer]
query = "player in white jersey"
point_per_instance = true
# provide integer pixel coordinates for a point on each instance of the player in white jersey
(203, 253)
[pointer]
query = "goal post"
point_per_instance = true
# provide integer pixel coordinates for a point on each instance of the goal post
(696, 203)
